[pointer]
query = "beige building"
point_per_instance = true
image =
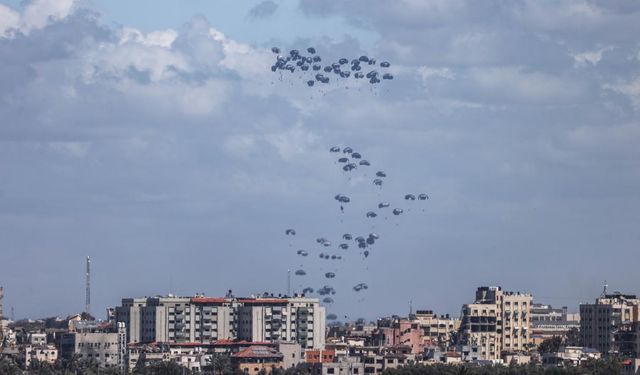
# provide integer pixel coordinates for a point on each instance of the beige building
(177, 319)
(108, 349)
(497, 321)
(202, 319)
(298, 319)
(40, 353)
(437, 330)
(548, 322)
(611, 324)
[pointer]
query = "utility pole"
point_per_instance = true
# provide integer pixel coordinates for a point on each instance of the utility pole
(87, 306)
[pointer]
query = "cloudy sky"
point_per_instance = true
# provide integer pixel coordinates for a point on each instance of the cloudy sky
(152, 137)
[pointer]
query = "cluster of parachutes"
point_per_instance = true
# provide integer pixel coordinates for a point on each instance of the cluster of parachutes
(314, 70)
(351, 162)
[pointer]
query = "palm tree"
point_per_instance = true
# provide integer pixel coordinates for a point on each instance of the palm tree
(9, 367)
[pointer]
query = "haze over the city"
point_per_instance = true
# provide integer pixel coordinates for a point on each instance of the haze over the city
(154, 138)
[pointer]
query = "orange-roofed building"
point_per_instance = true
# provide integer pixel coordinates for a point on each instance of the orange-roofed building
(320, 356)
(256, 358)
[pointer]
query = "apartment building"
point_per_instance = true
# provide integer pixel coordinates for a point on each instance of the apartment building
(396, 331)
(497, 321)
(611, 324)
(548, 322)
(437, 329)
(270, 319)
(202, 319)
(177, 319)
(107, 348)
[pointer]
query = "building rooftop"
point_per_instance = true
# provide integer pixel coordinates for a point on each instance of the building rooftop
(258, 351)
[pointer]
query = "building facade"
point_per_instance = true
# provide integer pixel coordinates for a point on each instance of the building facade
(437, 330)
(548, 322)
(497, 321)
(108, 349)
(610, 325)
(202, 319)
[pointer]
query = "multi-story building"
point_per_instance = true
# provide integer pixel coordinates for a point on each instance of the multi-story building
(177, 319)
(437, 330)
(395, 331)
(548, 322)
(497, 321)
(270, 319)
(39, 353)
(108, 349)
(201, 319)
(1, 317)
(610, 325)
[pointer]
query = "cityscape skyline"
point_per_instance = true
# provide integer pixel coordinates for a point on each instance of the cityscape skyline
(155, 139)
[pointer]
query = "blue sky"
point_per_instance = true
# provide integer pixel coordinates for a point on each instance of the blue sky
(153, 137)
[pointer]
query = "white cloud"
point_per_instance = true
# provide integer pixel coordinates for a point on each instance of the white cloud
(293, 142)
(9, 20)
(37, 14)
(427, 73)
(630, 88)
(161, 38)
(519, 83)
(590, 57)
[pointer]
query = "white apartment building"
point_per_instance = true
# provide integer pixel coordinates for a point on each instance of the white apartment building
(203, 319)
(298, 319)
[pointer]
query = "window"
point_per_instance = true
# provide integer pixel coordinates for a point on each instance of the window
(331, 370)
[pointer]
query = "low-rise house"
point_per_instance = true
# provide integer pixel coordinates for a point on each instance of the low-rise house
(512, 358)
(39, 353)
(342, 365)
(257, 358)
(570, 356)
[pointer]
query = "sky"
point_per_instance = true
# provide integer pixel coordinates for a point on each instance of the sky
(153, 137)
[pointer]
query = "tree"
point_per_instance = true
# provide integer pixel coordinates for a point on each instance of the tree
(164, 368)
(9, 367)
(219, 364)
(551, 345)
(572, 338)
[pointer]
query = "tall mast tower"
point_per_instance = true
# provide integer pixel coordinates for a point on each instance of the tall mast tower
(87, 303)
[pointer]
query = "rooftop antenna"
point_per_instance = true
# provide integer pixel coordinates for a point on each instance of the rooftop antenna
(288, 282)
(410, 308)
(87, 303)
(604, 290)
